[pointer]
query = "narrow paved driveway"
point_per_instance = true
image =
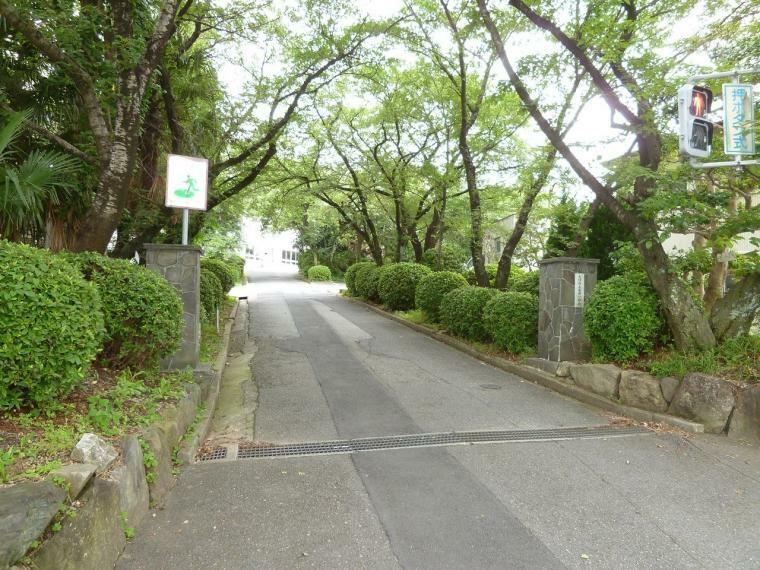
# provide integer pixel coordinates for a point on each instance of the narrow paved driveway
(328, 369)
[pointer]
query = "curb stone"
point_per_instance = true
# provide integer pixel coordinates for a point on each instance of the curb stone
(539, 377)
(189, 448)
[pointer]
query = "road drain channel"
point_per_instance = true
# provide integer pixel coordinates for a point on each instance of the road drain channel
(422, 440)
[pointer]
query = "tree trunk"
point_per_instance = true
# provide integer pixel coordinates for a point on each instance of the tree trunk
(734, 314)
(432, 234)
(416, 245)
(505, 261)
(476, 215)
(685, 318)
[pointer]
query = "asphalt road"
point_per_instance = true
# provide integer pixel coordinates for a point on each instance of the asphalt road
(326, 369)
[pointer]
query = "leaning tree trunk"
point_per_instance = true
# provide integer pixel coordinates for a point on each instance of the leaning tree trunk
(103, 216)
(685, 317)
(733, 314)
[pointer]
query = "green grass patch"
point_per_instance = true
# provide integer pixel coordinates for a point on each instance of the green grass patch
(419, 317)
(737, 359)
(111, 405)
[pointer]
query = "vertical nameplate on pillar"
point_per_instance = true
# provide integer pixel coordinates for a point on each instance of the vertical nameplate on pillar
(564, 285)
(180, 265)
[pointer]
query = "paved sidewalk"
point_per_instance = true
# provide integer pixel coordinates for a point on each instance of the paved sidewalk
(328, 369)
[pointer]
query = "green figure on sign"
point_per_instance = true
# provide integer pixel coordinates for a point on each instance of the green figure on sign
(189, 190)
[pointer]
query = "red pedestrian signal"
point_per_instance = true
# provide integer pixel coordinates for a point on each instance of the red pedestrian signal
(695, 131)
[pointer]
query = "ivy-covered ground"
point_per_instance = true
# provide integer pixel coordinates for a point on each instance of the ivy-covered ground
(33, 443)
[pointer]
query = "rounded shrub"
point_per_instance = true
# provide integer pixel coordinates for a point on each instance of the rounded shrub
(319, 273)
(524, 282)
(143, 312)
(365, 282)
(51, 326)
(211, 293)
(461, 310)
(432, 288)
(227, 275)
(398, 283)
(511, 318)
(622, 319)
(238, 264)
(350, 276)
(450, 259)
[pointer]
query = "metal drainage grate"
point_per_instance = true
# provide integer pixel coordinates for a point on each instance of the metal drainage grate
(433, 440)
(214, 455)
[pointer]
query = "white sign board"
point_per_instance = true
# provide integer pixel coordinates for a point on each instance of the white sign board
(580, 289)
(738, 119)
(186, 182)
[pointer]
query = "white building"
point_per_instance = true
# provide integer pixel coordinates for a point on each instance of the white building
(266, 248)
(681, 243)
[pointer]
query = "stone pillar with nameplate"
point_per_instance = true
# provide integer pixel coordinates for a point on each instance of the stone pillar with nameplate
(564, 285)
(180, 265)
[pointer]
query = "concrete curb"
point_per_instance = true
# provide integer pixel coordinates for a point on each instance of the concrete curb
(189, 447)
(539, 377)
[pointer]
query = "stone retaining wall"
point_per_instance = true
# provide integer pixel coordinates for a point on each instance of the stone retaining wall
(720, 406)
(94, 537)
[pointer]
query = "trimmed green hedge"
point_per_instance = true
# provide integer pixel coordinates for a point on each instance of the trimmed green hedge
(622, 319)
(212, 295)
(523, 282)
(238, 264)
(51, 326)
(398, 283)
(227, 275)
(143, 312)
(432, 288)
(350, 276)
(319, 273)
(461, 311)
(511, 318)
(365, 282)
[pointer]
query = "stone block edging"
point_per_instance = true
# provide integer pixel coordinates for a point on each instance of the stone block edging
(539, 377)
(95, 537)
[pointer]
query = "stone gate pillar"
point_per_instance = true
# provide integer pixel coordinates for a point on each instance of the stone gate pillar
(181, 266)
(564, 285)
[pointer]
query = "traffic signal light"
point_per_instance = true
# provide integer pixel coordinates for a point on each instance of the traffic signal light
(696, 132)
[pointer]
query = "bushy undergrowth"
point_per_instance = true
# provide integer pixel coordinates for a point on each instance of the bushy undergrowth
(511, 319)
(397, 284)
(622, 319)
(432, 288)
(51, 326)
(143, 312)
(123, 404)
(449, 258)
(491, 269)
(319, 273)
(461, 310)
(736, 358)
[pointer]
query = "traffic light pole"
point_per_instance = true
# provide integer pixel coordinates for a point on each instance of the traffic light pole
(738, 162)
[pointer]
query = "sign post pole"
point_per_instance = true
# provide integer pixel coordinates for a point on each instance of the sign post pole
(185, 224)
